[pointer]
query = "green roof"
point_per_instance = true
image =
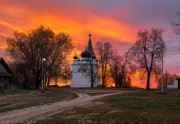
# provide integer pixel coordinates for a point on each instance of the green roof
(90, 47)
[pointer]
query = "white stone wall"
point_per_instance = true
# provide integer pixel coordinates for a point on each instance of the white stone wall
(81, 79)
(174, 86)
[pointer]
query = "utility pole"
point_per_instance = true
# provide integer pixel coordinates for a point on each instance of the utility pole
(162, 90)
(42, 74)
(166, 79)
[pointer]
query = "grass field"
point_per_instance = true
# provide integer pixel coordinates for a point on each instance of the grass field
(149, 107)
(14, 91)
(99, 91)
(19, 98)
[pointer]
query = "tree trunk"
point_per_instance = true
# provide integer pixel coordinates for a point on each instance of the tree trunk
(103, 81)
(117, 81)
(148, 81)
(37, 79)
(103, 77)
(56, 81)
(37, 82)
(45, 81)
(48, 80)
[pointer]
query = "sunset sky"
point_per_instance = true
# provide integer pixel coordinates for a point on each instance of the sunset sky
(116, 21)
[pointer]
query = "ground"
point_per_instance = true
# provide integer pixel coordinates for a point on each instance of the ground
(104, 106)
(18, 98)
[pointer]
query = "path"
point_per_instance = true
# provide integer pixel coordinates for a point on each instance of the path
(44, 111)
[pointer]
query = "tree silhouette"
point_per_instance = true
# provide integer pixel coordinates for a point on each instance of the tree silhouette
(147, 52)
(119, 69)
(104, 51)
(29, 48)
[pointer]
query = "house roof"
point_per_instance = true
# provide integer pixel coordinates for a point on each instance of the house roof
(178, 79)
(6, 67)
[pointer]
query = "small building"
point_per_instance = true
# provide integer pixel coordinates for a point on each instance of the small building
(85, 71)
(176, 84)
(5, 74)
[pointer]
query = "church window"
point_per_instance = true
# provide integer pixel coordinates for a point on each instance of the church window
(82, 70)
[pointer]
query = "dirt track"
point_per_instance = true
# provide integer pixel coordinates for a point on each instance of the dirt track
(44, 111)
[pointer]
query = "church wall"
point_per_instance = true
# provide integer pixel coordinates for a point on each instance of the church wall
(79, 74)
(80, 80)
(81, 69)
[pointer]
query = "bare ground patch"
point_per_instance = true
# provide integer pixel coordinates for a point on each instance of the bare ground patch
(45, 111)
(93, 112)
(34, 98)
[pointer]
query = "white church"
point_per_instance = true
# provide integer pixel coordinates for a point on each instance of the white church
(85, 71)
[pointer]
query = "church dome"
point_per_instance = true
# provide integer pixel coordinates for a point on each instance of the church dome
(85, 54)
(75, 57)
(94, 57)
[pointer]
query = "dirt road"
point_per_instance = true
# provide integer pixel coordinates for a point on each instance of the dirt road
(43, 111)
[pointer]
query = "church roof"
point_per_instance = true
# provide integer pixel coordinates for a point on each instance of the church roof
(90, 47)
(86, 54)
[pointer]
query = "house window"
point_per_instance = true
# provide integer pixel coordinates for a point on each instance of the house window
(2, 80)
(7, 80)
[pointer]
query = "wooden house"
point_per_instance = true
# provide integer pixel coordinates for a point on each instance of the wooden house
(5, 74)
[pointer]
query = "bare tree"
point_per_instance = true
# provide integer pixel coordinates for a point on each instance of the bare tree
(119, 69)
(29, 48)
(104, 52)
(115, 67)
(21, 77)
(176, 24)
(147, 52)
(60, 69)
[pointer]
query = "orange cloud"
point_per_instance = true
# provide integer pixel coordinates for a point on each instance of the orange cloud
(72, 18)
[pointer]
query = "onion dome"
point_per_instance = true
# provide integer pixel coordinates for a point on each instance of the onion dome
(75, 57)
(93, 56)
(86, 54)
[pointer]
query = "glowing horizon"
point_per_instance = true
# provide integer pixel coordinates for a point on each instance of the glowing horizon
(114, 21)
